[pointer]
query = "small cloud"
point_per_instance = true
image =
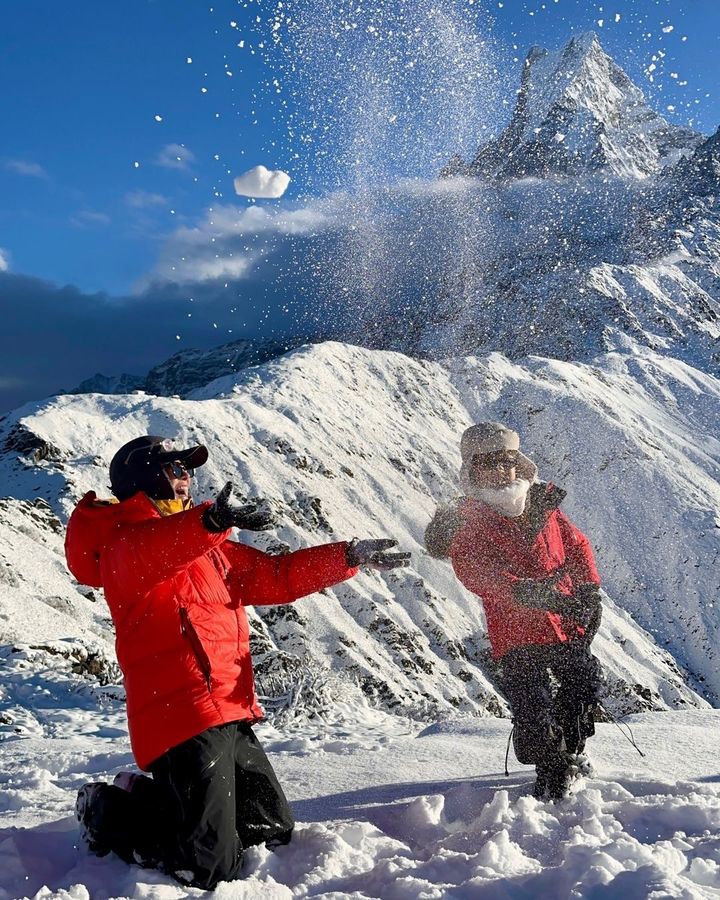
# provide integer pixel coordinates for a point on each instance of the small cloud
(4, 260)
(88, 217)
(145, 200)
(24, 167)
(175, 156)
(10, 382)
(263, 183)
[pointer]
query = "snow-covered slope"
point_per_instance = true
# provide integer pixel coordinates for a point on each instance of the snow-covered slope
(345, 441)
(577, 111)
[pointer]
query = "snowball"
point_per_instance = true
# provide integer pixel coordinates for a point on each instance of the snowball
(617, 17)
(262, 182)
(601, 22)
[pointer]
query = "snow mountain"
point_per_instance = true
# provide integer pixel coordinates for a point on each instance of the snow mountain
(577, 111)
(309, 431)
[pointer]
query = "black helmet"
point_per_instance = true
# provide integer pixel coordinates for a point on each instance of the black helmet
(138, 466)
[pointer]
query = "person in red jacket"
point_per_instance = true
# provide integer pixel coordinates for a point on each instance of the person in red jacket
(177, 588)
(534, 571)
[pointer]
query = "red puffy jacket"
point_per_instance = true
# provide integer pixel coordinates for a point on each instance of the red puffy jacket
(176, 593)
(490, 552)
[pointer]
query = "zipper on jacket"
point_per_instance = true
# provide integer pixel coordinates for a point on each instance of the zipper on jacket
(201, 657)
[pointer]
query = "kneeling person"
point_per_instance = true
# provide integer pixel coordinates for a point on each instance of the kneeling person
(176, 588)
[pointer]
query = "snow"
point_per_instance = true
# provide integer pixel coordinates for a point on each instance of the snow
(392, 750)
(387, 809)
(261, 182)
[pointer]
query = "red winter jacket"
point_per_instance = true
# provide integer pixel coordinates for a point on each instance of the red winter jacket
(490, 552)
(176, 593)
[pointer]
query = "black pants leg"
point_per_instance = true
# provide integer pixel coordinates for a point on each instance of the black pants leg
(198, 777)
(525, 679)
(224, 796)
(262, 810)
(580, 680)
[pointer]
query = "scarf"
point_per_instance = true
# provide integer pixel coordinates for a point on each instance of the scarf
(508, 500)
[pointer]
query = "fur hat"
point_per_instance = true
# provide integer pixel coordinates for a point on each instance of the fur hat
(493, 437)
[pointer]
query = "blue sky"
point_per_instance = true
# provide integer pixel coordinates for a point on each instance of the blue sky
(93, 192)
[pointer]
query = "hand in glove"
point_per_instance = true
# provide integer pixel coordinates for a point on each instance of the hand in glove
(584, 607)
(587, 607)
(373, 553)
(228, 512)
(537, 593)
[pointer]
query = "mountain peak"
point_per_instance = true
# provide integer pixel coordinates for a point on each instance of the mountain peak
(578, 111)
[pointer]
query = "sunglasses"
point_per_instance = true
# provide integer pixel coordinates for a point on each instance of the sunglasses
(495, 460)
(178, 470)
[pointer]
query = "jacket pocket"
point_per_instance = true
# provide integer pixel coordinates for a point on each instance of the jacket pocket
(203, 660)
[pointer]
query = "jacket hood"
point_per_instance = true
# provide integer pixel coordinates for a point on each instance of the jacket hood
(89, 529)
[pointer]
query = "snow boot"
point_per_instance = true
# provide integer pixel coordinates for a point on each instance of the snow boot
(87, 806)
(555, 777)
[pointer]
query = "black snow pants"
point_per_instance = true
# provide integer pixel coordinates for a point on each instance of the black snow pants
(552, 690)
(208, 798)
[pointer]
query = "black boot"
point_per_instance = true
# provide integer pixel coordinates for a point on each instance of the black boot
(555, 776)
(88, 812)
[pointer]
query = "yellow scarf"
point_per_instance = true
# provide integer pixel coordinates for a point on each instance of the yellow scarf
(170, 507)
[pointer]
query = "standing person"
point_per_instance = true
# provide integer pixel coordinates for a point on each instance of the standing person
(177, 587)
(510, 544)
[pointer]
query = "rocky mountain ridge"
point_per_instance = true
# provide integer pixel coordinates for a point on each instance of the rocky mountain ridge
(410, 642)
(577, 111)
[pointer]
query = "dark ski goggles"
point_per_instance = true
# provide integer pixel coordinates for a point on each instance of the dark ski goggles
(178, 470)
(507, 460)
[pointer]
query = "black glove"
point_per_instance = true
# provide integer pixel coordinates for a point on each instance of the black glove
(583, 607)
(373, 553)
(537, 593)
(589, 615)
(228, 512)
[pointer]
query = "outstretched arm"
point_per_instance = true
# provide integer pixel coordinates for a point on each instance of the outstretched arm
(258, 579)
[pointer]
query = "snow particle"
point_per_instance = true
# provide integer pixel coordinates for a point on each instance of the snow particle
(668, 28)
(188, 60)
(158, 118)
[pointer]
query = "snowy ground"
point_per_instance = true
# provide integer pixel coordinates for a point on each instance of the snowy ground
(386, 808)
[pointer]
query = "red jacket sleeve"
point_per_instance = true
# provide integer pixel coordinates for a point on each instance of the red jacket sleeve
(153, 550)
(579, 559)
(258, 579)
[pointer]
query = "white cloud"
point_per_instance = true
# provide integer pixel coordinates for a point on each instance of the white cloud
(4, 260)
(175, 156)
(263, 183)
(88, 217)
(24, 167)
(145, 200)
